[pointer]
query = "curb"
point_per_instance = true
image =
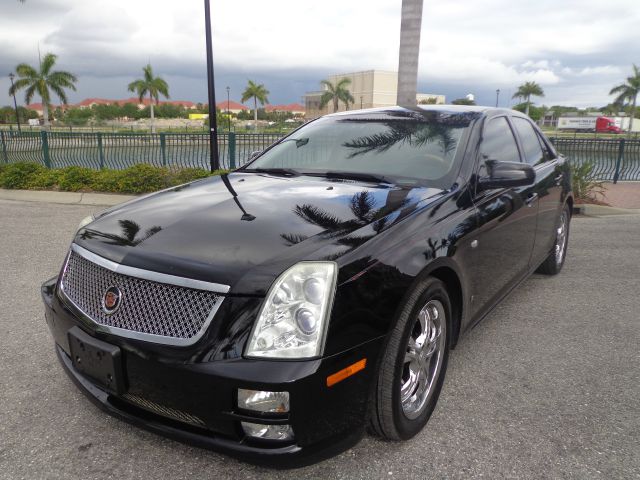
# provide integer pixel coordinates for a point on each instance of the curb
(68, 198)
(600, 210)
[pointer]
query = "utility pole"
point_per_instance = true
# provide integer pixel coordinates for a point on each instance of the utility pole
(15, 103)
(213, 124)
(497, 96)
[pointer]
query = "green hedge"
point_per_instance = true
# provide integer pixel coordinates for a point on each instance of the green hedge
(140, 178)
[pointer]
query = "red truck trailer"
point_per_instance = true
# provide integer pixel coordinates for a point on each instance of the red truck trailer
(589, 124)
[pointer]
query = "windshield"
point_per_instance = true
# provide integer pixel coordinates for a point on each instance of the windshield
(396, 145)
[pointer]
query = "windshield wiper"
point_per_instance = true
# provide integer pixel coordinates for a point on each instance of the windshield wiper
(365, 177)
(273, 171)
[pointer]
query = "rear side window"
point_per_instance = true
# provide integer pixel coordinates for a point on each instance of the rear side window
(533, 153)
(498, 143)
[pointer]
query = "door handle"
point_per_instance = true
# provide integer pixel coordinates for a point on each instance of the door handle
(530, 199)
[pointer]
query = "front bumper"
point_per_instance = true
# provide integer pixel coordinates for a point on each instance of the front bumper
(195, 402)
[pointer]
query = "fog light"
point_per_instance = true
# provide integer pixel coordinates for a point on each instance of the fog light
(268, 432)
(262, 401)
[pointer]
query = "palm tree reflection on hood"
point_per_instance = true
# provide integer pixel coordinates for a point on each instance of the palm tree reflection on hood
(129, 237)
(413, 128)
(362, 206)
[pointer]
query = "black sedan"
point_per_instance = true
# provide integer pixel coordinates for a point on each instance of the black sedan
(275, 312)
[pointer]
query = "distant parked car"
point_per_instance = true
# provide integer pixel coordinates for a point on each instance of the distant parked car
(274, 312)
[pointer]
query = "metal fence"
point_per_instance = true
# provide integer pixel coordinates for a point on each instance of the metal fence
(122, 150)
(613, 158)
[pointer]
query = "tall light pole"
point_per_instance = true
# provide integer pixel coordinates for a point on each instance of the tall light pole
(410, 24)
(497, 96)
(228, 116)
(213, 124)
(15, 103)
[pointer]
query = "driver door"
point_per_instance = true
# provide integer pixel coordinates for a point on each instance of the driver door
(506, 223)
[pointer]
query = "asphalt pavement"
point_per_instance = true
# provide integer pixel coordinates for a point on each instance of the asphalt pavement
(547, 386)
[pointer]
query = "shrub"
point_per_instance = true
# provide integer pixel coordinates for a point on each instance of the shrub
(46, 179)
(137, 179)
(73, 179)
(585, 185)
(144, 178)
(108, 180)
(189, 175)
(20, 175)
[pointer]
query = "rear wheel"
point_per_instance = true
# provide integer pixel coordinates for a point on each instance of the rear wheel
(554, 262)
(414, 363)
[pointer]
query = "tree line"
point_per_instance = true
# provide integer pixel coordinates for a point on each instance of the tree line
(46, 82)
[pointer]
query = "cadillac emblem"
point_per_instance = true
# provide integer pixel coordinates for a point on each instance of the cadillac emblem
(111, 300)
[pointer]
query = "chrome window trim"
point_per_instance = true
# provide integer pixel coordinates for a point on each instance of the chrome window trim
(145, 275)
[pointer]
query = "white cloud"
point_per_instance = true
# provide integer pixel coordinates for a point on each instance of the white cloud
(477, 45)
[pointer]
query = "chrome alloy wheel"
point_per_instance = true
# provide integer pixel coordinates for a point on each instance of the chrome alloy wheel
(423, 358)
(561, 238)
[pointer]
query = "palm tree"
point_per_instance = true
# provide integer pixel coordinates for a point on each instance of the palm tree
(416, 133)
(154, 86)
(526, 91)
(628, 91)
(336, 93)
(259, 94)
(43, 81)
(409, 53)
(129, 237)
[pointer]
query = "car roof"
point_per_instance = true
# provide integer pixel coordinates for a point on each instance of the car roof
(453, 109)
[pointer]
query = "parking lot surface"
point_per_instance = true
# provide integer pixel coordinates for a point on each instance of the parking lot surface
(547, 386)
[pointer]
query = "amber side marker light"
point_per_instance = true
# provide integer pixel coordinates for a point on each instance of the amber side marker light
(346, 372)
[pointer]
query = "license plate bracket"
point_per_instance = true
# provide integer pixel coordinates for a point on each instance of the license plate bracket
(99, 360)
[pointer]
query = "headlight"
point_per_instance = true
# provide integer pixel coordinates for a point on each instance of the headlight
(293, 319)
(263, 401)
(86, 221)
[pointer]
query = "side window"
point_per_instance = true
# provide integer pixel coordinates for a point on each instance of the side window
(533, 153)
(498, 143)
(549, 154)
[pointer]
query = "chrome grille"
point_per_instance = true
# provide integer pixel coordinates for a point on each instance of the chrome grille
(163, 411)
(151, 310)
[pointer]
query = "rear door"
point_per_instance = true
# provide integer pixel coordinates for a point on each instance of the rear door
(507, 223)
(548, 187)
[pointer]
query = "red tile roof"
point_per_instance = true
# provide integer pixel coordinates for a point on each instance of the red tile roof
(87, 102)
(180, 103)
(292, 107)
(135, 100)
(232, 106)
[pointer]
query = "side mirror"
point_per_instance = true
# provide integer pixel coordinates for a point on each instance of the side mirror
(507, 174)
(253, 155)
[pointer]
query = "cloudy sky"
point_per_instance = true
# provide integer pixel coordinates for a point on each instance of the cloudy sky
(576, 49)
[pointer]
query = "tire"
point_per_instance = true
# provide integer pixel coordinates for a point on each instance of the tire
(554, 262)
(406, 368)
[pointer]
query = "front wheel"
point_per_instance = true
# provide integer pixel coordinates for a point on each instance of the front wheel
(554, 262)
(414, 363)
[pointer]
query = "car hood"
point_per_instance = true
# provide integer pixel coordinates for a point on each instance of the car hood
(243, 229)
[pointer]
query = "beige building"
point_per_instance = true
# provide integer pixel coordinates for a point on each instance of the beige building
(370, 89)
